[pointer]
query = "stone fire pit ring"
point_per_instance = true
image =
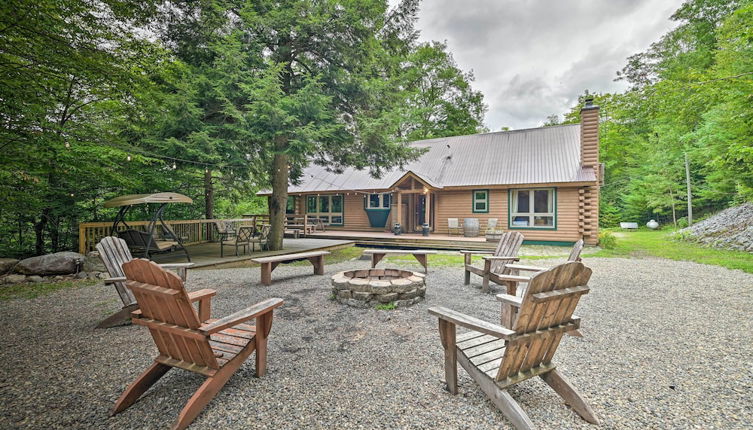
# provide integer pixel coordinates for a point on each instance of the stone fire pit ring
(371, 287)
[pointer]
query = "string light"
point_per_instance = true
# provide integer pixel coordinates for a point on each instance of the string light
(128, 158)
(67, 145)
(175, 166)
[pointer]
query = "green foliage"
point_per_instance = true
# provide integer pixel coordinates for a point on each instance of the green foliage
(690, 93)
(215, 99)
(386, 307)
(607, 240)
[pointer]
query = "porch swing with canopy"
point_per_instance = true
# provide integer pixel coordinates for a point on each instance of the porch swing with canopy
(147, 242)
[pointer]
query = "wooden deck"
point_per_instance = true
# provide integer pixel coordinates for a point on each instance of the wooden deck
(207, 255)
(410, 240)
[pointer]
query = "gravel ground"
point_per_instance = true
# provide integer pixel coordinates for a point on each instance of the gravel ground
(666, 345)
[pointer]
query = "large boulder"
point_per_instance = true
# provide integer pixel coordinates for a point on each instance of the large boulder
(59, 263)
(6, 264)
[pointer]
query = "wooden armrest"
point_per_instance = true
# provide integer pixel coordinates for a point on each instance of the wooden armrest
(114, 280)
(526, 268)
(471, 322)
(176, 265)
(510, 299)
(241, 316)
(494, 257)
(513, 278)
(476, 252)
(194, 296)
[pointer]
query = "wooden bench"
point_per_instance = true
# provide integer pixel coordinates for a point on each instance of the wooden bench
(419, 254)
(268, 264)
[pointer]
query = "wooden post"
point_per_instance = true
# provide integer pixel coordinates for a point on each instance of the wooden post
(690, 196)
(82, 248)
(447, 336)
(399, 208)
(427, 210)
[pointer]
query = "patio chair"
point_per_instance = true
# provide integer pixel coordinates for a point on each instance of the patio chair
(241, 239)
(225, 229)
(497, 357)
(453, 226)
(491, 226)
(496, 264)
(114, 252)
(262, 238)
(215, 348)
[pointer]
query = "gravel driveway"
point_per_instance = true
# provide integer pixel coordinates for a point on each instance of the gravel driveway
(666, 345)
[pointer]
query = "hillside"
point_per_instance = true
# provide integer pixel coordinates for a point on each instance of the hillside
(730, 229)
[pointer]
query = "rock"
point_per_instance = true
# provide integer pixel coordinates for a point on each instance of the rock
(59, 263)
(6, 264)
(410, 294)
(103, 275)
(731, 229)
(386, 298)
(14, 278)
(403, 303)
(34, 278)
(81, 275)
(93, 263)
(344, 294)
(361, 296)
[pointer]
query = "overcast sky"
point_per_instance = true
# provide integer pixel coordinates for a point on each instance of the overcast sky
(534, 58)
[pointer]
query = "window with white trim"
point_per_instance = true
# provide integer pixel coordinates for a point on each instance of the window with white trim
(533, 208)
(480, 201)
(378, 201)
(328, 208)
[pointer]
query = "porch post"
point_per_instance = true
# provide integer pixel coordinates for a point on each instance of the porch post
(399, 208)
(427, 210)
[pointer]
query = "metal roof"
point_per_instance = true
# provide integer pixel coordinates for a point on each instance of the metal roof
(136, 199)
(530, 156)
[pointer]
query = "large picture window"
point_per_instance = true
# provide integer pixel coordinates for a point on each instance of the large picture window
(480, 201)
(378, 201)
(329, 209)
(533, 208)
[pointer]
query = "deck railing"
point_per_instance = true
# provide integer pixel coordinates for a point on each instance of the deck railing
(191, 231)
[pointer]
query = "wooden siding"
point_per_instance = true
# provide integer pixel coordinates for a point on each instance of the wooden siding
(457, 204)
(589, 196)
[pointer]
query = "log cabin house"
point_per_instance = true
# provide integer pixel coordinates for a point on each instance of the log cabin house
(542, 181)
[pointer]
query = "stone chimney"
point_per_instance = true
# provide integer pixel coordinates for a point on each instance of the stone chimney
(589, 135)
(588, 203)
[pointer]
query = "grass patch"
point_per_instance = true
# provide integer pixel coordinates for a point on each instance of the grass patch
(450, 260)
(386, 307)
(335, 256)
(34, 290)
(644, 243)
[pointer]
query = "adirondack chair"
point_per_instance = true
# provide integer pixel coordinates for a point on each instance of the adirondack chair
(114, 252)
(497, 357)
(514, 279)
(574, 256)
(215, 348)
(495, 265)
(453, 226)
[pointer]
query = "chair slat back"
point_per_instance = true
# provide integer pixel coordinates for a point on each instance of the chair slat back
(453, 223)
(244, 234)
(163, 299)
(491, 223)
(575, 252)
(264, 234)
(114, 253)
(547, 307)
(508, 246)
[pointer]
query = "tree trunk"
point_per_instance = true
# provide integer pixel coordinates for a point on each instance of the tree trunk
(208, 195)
(278, 201)
(39, 228)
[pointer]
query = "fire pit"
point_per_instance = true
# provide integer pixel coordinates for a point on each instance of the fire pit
(370, 287)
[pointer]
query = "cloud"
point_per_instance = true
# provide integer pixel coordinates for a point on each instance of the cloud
(534, 58)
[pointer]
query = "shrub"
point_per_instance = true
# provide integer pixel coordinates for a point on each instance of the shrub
(386, 307)
(682, 222)
(607, 240)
